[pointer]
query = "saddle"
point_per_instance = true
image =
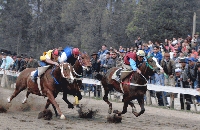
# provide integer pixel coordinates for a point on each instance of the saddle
(120, 74)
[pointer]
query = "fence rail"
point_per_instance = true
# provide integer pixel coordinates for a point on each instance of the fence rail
(8, 79)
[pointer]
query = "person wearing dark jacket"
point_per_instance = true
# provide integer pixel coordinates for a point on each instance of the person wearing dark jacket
(95, 64)
(32, 63)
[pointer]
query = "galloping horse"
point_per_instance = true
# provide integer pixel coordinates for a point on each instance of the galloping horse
(49, 84)
(133, 86)
(83, 62)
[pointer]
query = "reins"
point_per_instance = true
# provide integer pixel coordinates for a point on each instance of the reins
(76, 74)
(54, 67)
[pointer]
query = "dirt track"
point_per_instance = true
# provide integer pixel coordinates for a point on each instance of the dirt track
(24, 116)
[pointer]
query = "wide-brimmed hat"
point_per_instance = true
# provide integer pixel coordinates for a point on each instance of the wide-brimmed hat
(192, 59)
(182, 60)
(94, 54)
(60, 49)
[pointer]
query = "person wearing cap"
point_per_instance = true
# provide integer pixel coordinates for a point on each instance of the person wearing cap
(108, 62)
(132, 60)
(68, 54)
(120, 59)
(95, 64)
(192, 71)
(48, 58)
(184, 83)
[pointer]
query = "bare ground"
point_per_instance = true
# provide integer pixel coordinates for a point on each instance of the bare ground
(24, 116)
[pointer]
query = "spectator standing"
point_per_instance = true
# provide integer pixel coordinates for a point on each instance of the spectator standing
(107, 63)
(114, 57)
(22, 64)
(184, 84)
(102, 56)
(158, 78)
(32, 63)
(120, 60)
(95, 70)
(7, 62)
(168, 66)
(95, 64)
(138, 42)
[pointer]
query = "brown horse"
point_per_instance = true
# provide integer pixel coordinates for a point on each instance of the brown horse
(83, 62)
(50, 84)
(133, 86)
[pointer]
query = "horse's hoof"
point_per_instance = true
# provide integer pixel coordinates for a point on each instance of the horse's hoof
(115, 111)
(62, 117)
(24, 101)
(71, 106)
(8, 99)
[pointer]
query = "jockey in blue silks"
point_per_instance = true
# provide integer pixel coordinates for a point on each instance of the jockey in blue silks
(69, 55)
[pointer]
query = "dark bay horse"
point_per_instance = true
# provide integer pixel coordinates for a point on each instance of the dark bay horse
(130, 92)
(83, 62)
(50, 84)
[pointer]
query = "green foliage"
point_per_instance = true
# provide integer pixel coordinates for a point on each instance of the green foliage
(36, 26)
(160, 19)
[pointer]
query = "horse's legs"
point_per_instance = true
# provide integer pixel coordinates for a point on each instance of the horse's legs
(105, 98)
(70, 105)
(47, 105)
(133, 107)
(53, 102)
(16, 92)
(141, 103)
(25, 99)
(126, 101)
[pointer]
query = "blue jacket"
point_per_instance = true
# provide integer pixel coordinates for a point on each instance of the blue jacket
(65, 54)
(102, 56)
(133, 64)
(7, 62)
(158, 56)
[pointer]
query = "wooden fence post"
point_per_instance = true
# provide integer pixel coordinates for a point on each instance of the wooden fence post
(148, 98)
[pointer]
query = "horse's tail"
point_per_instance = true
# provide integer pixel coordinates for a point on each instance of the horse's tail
(98, 77)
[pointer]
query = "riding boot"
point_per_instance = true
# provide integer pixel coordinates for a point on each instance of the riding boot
(34, 77)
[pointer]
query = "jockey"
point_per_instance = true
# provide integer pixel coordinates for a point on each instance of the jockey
(133, 60)
(69, 55)
(49, 57)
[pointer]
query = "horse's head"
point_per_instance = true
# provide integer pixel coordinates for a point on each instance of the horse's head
(84, 60)
(66, 71)
(152, 63)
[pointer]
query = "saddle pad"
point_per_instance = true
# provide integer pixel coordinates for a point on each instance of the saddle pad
(116, 73)
(42, 69)
(124, 73)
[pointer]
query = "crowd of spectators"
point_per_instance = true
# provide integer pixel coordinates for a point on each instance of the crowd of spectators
(179, 58)
(16, 63)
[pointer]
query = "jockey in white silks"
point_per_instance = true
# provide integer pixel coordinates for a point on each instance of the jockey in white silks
(69, 55)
